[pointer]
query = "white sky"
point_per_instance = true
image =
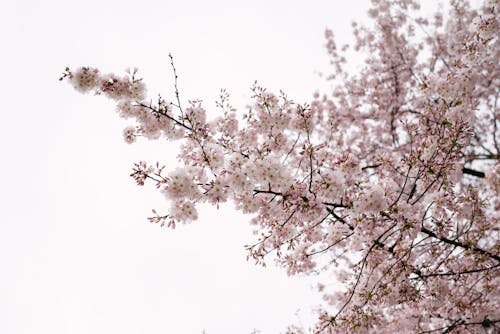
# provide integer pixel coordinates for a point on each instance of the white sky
(76, 252)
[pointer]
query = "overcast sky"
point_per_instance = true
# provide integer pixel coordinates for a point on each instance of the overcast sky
(77, 254)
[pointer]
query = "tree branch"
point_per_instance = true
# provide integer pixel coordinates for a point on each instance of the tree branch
(460, 244)
(473, 172)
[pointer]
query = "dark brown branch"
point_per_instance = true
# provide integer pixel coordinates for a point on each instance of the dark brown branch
(465, 170)
(331, 245)
(304, 198)
(340, 219)
(460, 244)
(454, 273)
(473, 172)
(161, 113)
(486, 323)
(371, 166)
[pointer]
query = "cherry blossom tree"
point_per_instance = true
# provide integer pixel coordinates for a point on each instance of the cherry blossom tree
(389, 183)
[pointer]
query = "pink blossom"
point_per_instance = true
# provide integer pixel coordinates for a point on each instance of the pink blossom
(129, 134)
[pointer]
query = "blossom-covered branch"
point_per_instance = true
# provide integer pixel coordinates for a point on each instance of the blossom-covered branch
(390, 182)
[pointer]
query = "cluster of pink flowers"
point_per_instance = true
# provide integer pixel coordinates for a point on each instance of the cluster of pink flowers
(87, 79)
(129, 134)
(391, 181)
(372, 201)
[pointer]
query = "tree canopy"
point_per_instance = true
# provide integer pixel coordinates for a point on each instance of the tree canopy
(389, 182)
